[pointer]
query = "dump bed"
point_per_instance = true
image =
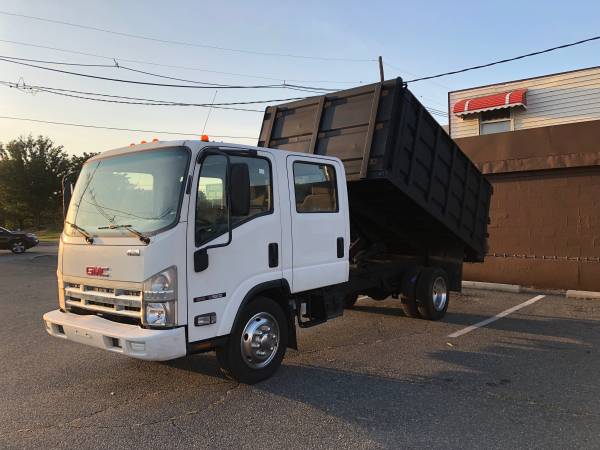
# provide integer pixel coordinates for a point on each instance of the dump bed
(410, 186)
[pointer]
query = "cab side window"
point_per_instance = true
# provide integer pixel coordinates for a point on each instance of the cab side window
(211, 201)
(261, 187)
(315, 188)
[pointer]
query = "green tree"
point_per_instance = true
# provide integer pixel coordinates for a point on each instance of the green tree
(31, 170)
(77, 162)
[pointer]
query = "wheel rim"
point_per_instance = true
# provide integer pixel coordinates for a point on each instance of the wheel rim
(439, 294)
(18, 247)
(260, 340)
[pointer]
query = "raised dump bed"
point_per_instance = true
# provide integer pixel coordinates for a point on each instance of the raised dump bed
(412, 190)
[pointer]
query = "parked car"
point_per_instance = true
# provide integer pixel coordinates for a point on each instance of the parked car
(17, 241)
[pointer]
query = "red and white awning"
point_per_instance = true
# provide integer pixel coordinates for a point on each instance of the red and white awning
(508, 99)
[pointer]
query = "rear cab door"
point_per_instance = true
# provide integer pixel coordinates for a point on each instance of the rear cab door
(319, 222)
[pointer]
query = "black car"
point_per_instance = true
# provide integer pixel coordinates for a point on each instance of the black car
(17, 241)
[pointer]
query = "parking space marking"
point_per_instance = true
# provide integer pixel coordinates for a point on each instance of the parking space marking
(498, 316)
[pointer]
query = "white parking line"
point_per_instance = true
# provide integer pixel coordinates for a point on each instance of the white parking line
(485, 322)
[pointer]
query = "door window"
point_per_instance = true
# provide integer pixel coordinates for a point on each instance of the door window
(211, 199)
(315, 188)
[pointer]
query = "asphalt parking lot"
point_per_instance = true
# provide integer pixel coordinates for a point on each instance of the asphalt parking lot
(371, 379)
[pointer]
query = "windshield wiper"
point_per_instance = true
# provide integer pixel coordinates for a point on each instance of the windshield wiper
(145, 239)
(88, 237)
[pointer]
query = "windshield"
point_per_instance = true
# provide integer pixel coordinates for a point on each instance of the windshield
(141, 190)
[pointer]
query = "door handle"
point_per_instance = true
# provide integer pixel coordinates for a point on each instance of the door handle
(273, 254)
(340, 247)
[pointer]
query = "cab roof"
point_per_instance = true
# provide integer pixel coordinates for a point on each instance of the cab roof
(194, 145)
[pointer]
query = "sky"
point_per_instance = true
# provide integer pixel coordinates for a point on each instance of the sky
(414, 39)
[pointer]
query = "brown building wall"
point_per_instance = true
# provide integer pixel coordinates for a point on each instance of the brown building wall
(545, 211)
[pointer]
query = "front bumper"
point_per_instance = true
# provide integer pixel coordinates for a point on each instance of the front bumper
(130, 340)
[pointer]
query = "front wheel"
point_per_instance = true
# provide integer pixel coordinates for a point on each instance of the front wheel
(257, 343)
(17, 247)
(432, 293)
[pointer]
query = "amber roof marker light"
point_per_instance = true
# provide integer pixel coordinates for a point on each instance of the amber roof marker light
(204, 138)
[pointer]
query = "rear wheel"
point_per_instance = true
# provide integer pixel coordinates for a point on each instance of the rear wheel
(257, 342)
(432, 293)
(17, 247)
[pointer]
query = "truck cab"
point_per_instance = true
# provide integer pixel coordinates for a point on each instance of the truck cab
(171, 248)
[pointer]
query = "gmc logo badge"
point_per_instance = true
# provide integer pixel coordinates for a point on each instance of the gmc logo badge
(96, 271)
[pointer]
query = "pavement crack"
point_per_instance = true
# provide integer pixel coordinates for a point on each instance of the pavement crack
(73, 423)
(193, 412)
(548, 407)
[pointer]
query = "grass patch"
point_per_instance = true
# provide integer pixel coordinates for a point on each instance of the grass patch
(49, 235)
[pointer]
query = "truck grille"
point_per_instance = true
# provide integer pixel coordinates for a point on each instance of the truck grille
(110, 300)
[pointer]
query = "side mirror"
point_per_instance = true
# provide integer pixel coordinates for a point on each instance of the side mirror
(239, 185)
(201, 260)
(67, 193)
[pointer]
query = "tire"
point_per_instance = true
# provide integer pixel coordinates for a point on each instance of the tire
(433, 296)
(244, 363)
(18, 247)
(350, 300)
(409, 293)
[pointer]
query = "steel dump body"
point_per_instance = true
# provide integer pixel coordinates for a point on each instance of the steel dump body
(411, 188)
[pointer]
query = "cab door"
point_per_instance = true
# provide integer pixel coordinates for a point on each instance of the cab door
(252, 257)
(320, 222)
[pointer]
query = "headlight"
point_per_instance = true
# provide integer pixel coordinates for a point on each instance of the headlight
(160, 299)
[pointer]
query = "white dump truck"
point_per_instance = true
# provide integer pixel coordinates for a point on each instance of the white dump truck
(172, 248)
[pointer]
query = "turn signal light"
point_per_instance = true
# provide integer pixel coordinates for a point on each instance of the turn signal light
(204, 138)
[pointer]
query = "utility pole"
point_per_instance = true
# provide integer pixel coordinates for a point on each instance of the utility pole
(381, 69)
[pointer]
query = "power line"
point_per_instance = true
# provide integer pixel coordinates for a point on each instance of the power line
(219, 85)
(502, 61)
(187, 44)
(136, 100)
(22, 85)
(172, 66)
(403, 71)
(59, 63)
(150, 102)
(126, 102)
(197, 84)
(177, 133)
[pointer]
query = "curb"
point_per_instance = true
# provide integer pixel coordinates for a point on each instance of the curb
(588, 295)
(515, 289)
